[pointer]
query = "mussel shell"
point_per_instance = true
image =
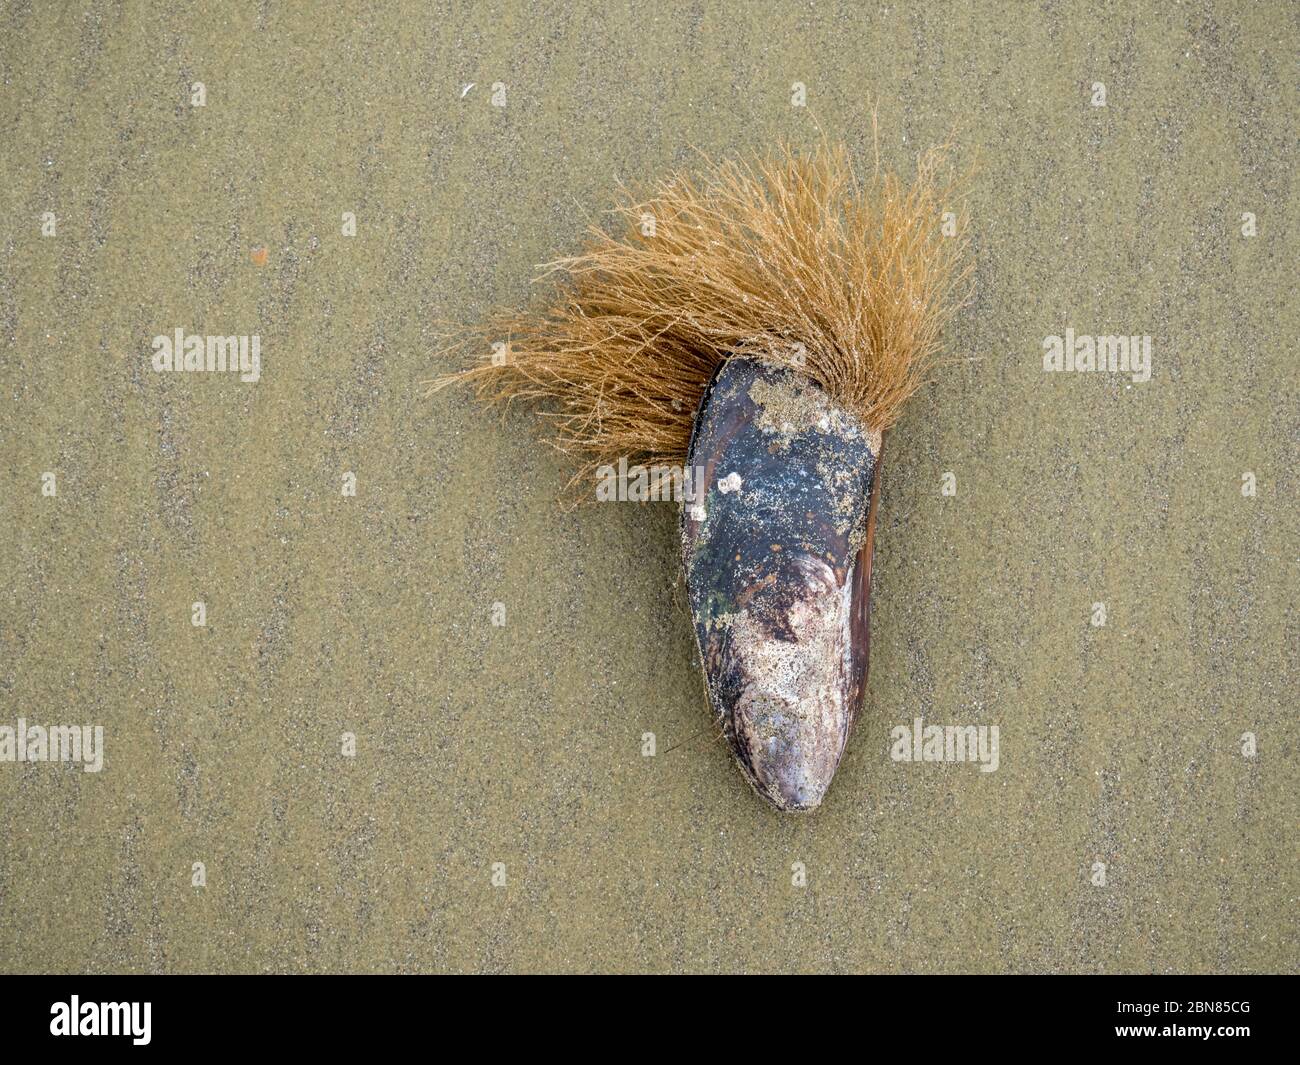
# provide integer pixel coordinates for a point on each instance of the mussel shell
(777, 553)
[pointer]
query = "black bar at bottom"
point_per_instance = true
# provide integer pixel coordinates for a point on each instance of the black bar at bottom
(346, 1013)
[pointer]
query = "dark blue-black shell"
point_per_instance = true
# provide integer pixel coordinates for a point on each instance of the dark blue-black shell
(776, 546)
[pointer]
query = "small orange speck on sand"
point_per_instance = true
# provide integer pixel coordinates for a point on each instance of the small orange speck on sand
(258, 255)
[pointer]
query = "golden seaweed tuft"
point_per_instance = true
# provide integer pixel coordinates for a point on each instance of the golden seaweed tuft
(791, 258)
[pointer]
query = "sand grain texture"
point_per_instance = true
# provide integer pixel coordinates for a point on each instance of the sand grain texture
(521, 744)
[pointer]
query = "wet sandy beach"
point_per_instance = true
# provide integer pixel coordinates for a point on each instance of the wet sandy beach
(408, 733)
